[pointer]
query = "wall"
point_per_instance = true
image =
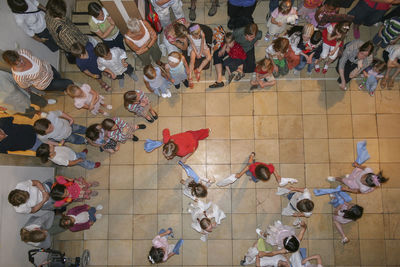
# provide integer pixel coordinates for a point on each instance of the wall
(14, 252)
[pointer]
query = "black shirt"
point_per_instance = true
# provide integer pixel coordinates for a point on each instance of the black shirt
(19, 136)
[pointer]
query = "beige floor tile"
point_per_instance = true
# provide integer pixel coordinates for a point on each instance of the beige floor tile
(121, 202)
(194, 104)
(145, 177)
(188, 232)
(144, 226)
(265, 127)
(98, 251)
(390, 200)
(141, 156)
(220, 127)
(141, 252)
(290, 86)
(120, 226)
(268, 201)
(340, 126)
(387, 102)
(242, 127)
(241, 104)
(224, 230)
(70, 248)
(293, 171)
(372, 202)
(145, 201)
(117, 101)
(218, 151)
(193, 123)
(240, 148)
(340, 169)
(291, 151)
(171, 220)
(120, 252)
(169, 177)
(151, 131)
(240, 247)
(340, 150)
(321, 204)
(312, 85)
(314, 102)
(225, 255)
(338, 102)
(101, 175)
(170, 106)
(290, 126)
(267, 150)
(289, 103)
(362, 103)
(372, 226)
(316, 150)
(316, 175)
(169, 201)
(245, 181)
(124, 155)
(388, 125)
(217, 104)
(219, 172)
(389, 150)
(243, 201)
(364, 126)
(392, 258)
(199, 157)
(348, 254)
(320, 226)
(222, 197)
(121, 177)
(323, 248)
(315, 126)
(174, 124)
(390, 170)
(243, 226)
(99, 230)
(266, 219)
(371, 252)
(350, 230)
(194, 252)
(265, 103)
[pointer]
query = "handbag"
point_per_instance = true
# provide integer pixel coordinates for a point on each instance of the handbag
(152, 17)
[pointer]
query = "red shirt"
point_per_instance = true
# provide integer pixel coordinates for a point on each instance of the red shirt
(237, 52)
(187, 142)
(325, 37)
(377, 6)
(252, 168)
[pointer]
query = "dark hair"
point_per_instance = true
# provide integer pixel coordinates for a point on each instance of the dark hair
(17, 6)
(129, 98)
(35, 236)
(170, 149)
(43, 152)
(77, 49)
(331, 3)
(251, 29)
(354, 213)
(10, 57)
(157, 254)
(204, 223)
(17, 197)
(92, 132)
(280, 45)
(180, 30)
(94, 9)
(291, 243)
(367, 46)
(56, 8)
(65, 222)
(147, 73)
(41, 126)
(342, 28)
(229, 36)
(262, 173)
(285, 7)
(379, 64)
(316, 37)
(198, 189)
(107, 124)
(101, 50)
(57, 192)
(370, 176)
(305, 205)
(294, 29)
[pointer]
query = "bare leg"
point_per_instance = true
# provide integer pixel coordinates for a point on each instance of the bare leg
(206, 60)
(218, 70)
(340, 229)
(191, 63)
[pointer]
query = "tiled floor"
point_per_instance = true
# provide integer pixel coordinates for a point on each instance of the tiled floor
(307, 128)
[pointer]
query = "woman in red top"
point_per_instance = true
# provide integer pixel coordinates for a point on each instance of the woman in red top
(258, 170)
(182, 144)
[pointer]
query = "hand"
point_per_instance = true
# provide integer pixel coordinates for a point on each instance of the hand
(332, 52)
(343, 85)
(303, 224)
(96, 76)
(198, 56)
(113, 76)
(359, 64)
(81, 160)
(71, 121)
(125, 64)
(276, 68)
(62, 142)
(280, 24)
(237, 175)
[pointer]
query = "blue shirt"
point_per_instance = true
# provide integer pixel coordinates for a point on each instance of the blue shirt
(89, 63)
(243, 3)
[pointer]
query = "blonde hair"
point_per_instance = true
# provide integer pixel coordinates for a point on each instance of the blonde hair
(35, 236)
(73, 90)
(133, 25)
(308, 29)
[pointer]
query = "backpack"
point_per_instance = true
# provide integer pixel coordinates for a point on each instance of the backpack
(218, 37)
(152, 17)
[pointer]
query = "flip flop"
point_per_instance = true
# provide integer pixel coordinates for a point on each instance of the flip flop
(198, 74)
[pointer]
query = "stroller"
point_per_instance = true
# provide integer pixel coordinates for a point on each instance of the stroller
(57, 258)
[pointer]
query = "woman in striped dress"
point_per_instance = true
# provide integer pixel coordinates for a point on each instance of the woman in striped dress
(29, 70)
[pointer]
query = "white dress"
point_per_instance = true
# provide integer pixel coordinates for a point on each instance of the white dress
(197, 44)
(278, 232)
(159, 84)
(291, 208)
(212, 211)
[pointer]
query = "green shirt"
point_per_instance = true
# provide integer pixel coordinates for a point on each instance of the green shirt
(95, 27)
(241, 39)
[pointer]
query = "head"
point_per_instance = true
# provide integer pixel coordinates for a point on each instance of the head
(130, 97)
(365, 50)
(180, 30)
(66, 222)
(262, 173)
(307, 32)
(229, 39)
(342, 28)
(291, 243)
(11, 57)
(43, 126)
(282, 263)
(108, 124)
(305, 205)
(195, 30)
(330, 5)
(59, 192)
(281, 45)
(35, 236)
(169, 150)
(78, 50)
(379, 66)
(156, 255)
(150, 72)
(56, 8)
(316, 38)
(266, 64)
(95, 10)
(373, 180)
(17, 6)
(17, 197)
(250, 31)
(93, 131)
(134, 25)
(354, 213)
(102, 50)
(73, 90)
(174, 58)
(206, 224)
(198, 189)
(285, 7)
(2, 135)
(43, 152)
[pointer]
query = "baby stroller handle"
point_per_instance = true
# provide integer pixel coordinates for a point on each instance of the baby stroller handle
(33, 252)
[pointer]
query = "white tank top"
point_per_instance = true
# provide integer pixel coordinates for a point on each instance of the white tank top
(145, 38)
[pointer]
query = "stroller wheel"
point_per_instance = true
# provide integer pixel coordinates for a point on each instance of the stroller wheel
(85, 258)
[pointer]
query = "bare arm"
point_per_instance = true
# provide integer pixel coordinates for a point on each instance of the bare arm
(67, 117)
(277, 176)
(240, 174)
(74, 162)
(152, 32)
(302, 231)
(162, 2)
(314, 257)
(296, 189)
(272, 253)
(88, 73)
(348, 189)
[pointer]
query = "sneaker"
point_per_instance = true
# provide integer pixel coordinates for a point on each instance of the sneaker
(169, 93)
(189, 210)
(51, 101)
(213, 10)
(135, 138)
(177, 86)
(141, 126)
(192, 13)
(121, 83)
(99, 216)
(325, 69)
(94, 184)
(164, 95)
(331, 179)
(85, 151)
(134, 76)
(109, 107)
(97, 164)
(317, 68)
(216, 85)
(99, 207)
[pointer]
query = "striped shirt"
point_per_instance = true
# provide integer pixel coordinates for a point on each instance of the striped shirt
(123, 132)
(391, 29)
(39, 76)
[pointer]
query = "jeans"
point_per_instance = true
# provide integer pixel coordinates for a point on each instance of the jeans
(87, 164)
(117, 42)
(74, 138)
(303, 63)
(36, 145)
(50, 43)
(371, 84)
(58, 83)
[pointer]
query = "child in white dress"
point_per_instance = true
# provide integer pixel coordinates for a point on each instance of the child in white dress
(300, 203)
(157, 81)
(285, 13)
(87, 98)
(197, 49)
(178, 69)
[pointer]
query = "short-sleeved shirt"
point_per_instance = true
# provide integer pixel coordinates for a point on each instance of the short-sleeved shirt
(240, 38)
(391, 29)
(253, 166)
(89, 63)
(80, 102)
(31, 23)
(73, 188)
(115, 63)
(62, 128)
(96, 25)
(162, 242)
(394, 52)
(63, 155)
(35, 197)
(298, 196)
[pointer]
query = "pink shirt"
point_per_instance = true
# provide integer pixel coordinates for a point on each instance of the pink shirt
(162, 242)
(79, 102)
(74, 190)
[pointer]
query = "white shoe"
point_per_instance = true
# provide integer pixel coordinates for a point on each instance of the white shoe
(168, 93)
(164, 95)
(99, 216)
(99, 207)
(347, 175)
(51, 101)
(331, 179)
(109, 107)
(189, 210)
(106, 114)
(295, 72)
(260, 233)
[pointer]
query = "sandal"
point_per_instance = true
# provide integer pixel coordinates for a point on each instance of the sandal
(198, 74)
(345, 240)
(191, 84)
(383, 83)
